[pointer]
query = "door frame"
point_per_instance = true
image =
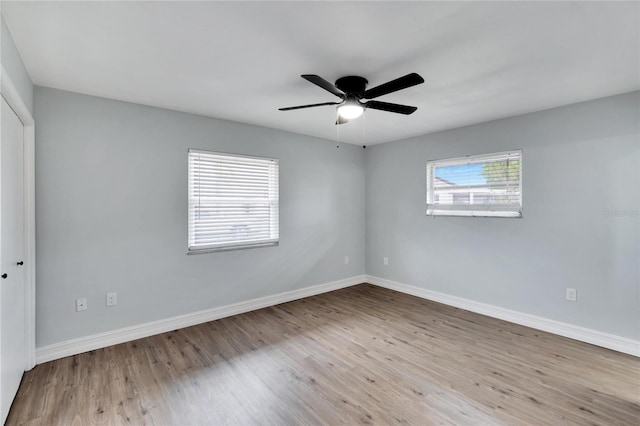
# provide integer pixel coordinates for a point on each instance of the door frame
(11, 95)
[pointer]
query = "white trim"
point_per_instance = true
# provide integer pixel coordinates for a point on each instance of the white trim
(11, 95)
(230, 154)
(598, 338)
(477, 158)
(474, 213)
(101, 340)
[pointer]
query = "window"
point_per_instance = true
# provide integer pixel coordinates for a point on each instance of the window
(233, 201)
(479, 185)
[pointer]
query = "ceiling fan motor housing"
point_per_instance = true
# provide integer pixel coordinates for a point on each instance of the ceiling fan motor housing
(353, 85)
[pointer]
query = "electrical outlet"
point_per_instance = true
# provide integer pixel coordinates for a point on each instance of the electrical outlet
(572, 294)
(112, 299)
(346, 260)
(81, 304)
(385, 261)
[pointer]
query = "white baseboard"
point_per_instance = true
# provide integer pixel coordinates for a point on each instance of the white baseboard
(101, 340)
(598, 338)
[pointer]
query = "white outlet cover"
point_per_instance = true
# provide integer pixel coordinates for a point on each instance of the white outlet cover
(112, 299)
(385, 260)
(81, 304)
(572, 294)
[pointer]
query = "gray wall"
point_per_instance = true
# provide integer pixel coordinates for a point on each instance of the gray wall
(12, 63)
(579, 163)
(111, 196)
(111, 215)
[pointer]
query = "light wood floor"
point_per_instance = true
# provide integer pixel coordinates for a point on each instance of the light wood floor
(359, 355)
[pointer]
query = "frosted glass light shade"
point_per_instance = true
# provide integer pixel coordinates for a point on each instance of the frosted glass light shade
(350, 110)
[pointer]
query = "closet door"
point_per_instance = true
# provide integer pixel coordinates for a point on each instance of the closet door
(12, 291)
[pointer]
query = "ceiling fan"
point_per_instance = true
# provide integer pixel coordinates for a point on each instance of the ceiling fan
(353, 89)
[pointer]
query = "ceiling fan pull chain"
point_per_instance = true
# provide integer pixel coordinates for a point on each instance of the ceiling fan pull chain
(337, 130)
(364, 128)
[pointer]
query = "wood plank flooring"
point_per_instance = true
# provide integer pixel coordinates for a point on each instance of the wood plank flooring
(361, 355)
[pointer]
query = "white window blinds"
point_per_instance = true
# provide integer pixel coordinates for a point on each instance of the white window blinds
(233, 201)
(480, 185)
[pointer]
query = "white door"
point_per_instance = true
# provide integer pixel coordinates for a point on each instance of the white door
(12, 316)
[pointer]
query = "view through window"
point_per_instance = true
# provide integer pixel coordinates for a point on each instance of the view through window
(480, 185)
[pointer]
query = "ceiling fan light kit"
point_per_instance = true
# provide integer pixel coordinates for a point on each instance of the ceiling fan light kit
(352, 90)
(350, 109)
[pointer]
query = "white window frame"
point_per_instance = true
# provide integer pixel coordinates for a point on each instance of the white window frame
(194, 201)
(513, 210)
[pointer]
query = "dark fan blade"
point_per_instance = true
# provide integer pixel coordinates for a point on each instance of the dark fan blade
(394, 85)
(341, 120)
(386, 106)
(308, 106)
(321, 82)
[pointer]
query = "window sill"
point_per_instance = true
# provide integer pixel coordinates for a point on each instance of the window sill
(231, 248)
(474, 213)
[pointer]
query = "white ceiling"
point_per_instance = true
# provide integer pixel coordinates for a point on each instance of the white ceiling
(241, 61)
